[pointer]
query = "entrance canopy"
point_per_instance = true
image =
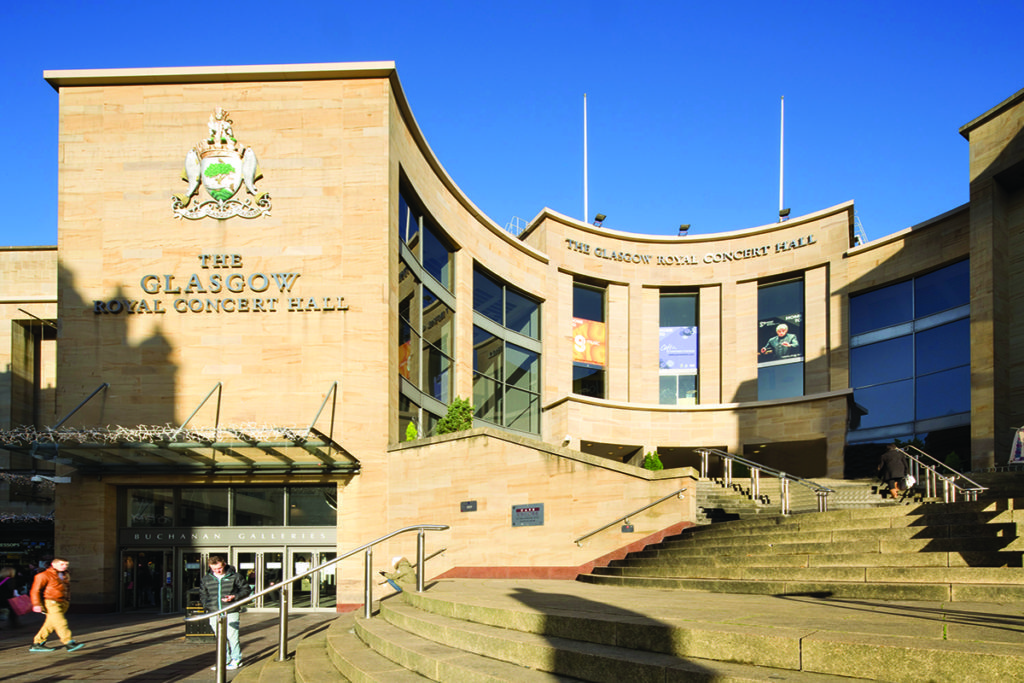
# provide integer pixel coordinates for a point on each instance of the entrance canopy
(170, 450)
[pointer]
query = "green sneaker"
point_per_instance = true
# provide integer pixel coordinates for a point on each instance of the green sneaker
(41, 647)
(74, 645)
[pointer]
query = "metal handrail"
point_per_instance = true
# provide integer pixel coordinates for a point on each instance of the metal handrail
(282, 649)
(932, 476)
(625, 518)
(755, 479)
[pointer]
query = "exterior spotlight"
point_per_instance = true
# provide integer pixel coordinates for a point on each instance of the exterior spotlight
(683, 229)
(783, 214)
(599, 219)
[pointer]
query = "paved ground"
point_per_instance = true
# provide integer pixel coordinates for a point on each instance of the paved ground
(137, 647)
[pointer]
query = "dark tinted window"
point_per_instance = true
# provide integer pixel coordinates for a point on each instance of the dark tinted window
(881, 308)
(943, 289)
(588, 303)
(943, 347)
(886, 361)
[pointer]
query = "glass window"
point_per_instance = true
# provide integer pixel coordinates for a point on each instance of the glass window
(588, 381)
(312, 506)
(944, 393)
(438, 322)
(408, 224)
(487, 297)
(881, 308)
(408, 413)
(942, 289)
(943, 347)
(522, 314)
(487, 353)
(522, 368)
(780, 340)
(204, 506)
(588, 303)
(886, 404)
(150, 507)
(437, 256)
(262, 506)
(917, 373)
(885, 361)
(487, 399)
(506, 376)
(438, 369)
(677, 349)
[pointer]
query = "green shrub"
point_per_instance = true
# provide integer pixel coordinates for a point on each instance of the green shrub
(953, 461)
(653, 462)
(410, 432)
(459, 417)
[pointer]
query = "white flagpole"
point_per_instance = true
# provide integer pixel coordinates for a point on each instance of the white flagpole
(586, 209)
(782, 137)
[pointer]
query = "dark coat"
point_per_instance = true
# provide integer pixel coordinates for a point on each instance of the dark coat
(212, 590)
(893, 465)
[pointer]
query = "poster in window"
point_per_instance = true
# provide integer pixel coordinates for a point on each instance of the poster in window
(780, 338)
(677, 348)
(589, 342)
(404, 353)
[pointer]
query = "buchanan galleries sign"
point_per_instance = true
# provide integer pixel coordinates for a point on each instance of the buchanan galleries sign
(225, 289)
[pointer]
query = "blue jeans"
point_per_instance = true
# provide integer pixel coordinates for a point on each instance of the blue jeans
(234, 646)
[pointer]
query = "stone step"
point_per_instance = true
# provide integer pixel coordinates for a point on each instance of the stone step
(555, 658)
(311, 664)
(875, 559)
(361, 664)
(882, 639)
(932, 545)
(1006, 576)
(918, 591)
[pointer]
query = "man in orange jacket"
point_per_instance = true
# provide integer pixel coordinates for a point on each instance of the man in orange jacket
(51, 593)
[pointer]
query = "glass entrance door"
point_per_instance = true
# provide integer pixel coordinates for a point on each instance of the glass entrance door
(318, 591)
(192, 566)
(145, 580)
(262, 568)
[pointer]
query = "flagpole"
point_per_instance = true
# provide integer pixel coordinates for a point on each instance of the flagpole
(782, 137)
(586, 209)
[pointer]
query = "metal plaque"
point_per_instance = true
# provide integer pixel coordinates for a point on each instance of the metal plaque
(528, 515)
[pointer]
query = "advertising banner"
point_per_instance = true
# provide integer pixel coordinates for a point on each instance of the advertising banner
(780, 338)
(677, 348)
(589, 342)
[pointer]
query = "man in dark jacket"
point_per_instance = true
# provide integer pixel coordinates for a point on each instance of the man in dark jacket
(219, 588)
(51, 593)
(893, 468)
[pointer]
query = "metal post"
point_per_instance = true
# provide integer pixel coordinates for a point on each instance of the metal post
(222, 646)
(420, 559)
(822, 501)
(703, 464)
(728, 471)
(282, 627)
(368, 584)
(755, 483)
(784, 492)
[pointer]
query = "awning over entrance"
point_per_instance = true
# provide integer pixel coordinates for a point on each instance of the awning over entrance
(247, 448)
(146, 450)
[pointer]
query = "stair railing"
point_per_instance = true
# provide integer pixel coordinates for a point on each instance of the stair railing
(625, 518)
(282, 645)
(756, 469)
(930, 470)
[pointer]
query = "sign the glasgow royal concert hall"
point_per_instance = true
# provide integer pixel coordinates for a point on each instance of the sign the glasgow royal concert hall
(222, 166)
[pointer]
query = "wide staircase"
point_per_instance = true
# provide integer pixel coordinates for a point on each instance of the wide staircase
(897, 593)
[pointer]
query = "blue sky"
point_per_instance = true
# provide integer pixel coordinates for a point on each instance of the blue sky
(683, 97)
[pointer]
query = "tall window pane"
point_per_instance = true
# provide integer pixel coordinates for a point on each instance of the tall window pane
(942, 289)
(522, 314)
(259, 506)
(487, 297)
(204, 507)
(677, 349)
(590, 342)
(881, 308)
(780, 332)
(312, 506)
(150, 507)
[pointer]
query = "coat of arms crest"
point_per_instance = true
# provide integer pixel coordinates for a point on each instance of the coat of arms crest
(222, 166)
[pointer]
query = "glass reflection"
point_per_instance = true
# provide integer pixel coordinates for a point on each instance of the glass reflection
(944, 393)
(881, 308)
(943, 289)
(487, 297)
(885, 361)
(522, 314)
(259, 506)
(204, 507)
(943, 347)
(886, 404)
(522, 367)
